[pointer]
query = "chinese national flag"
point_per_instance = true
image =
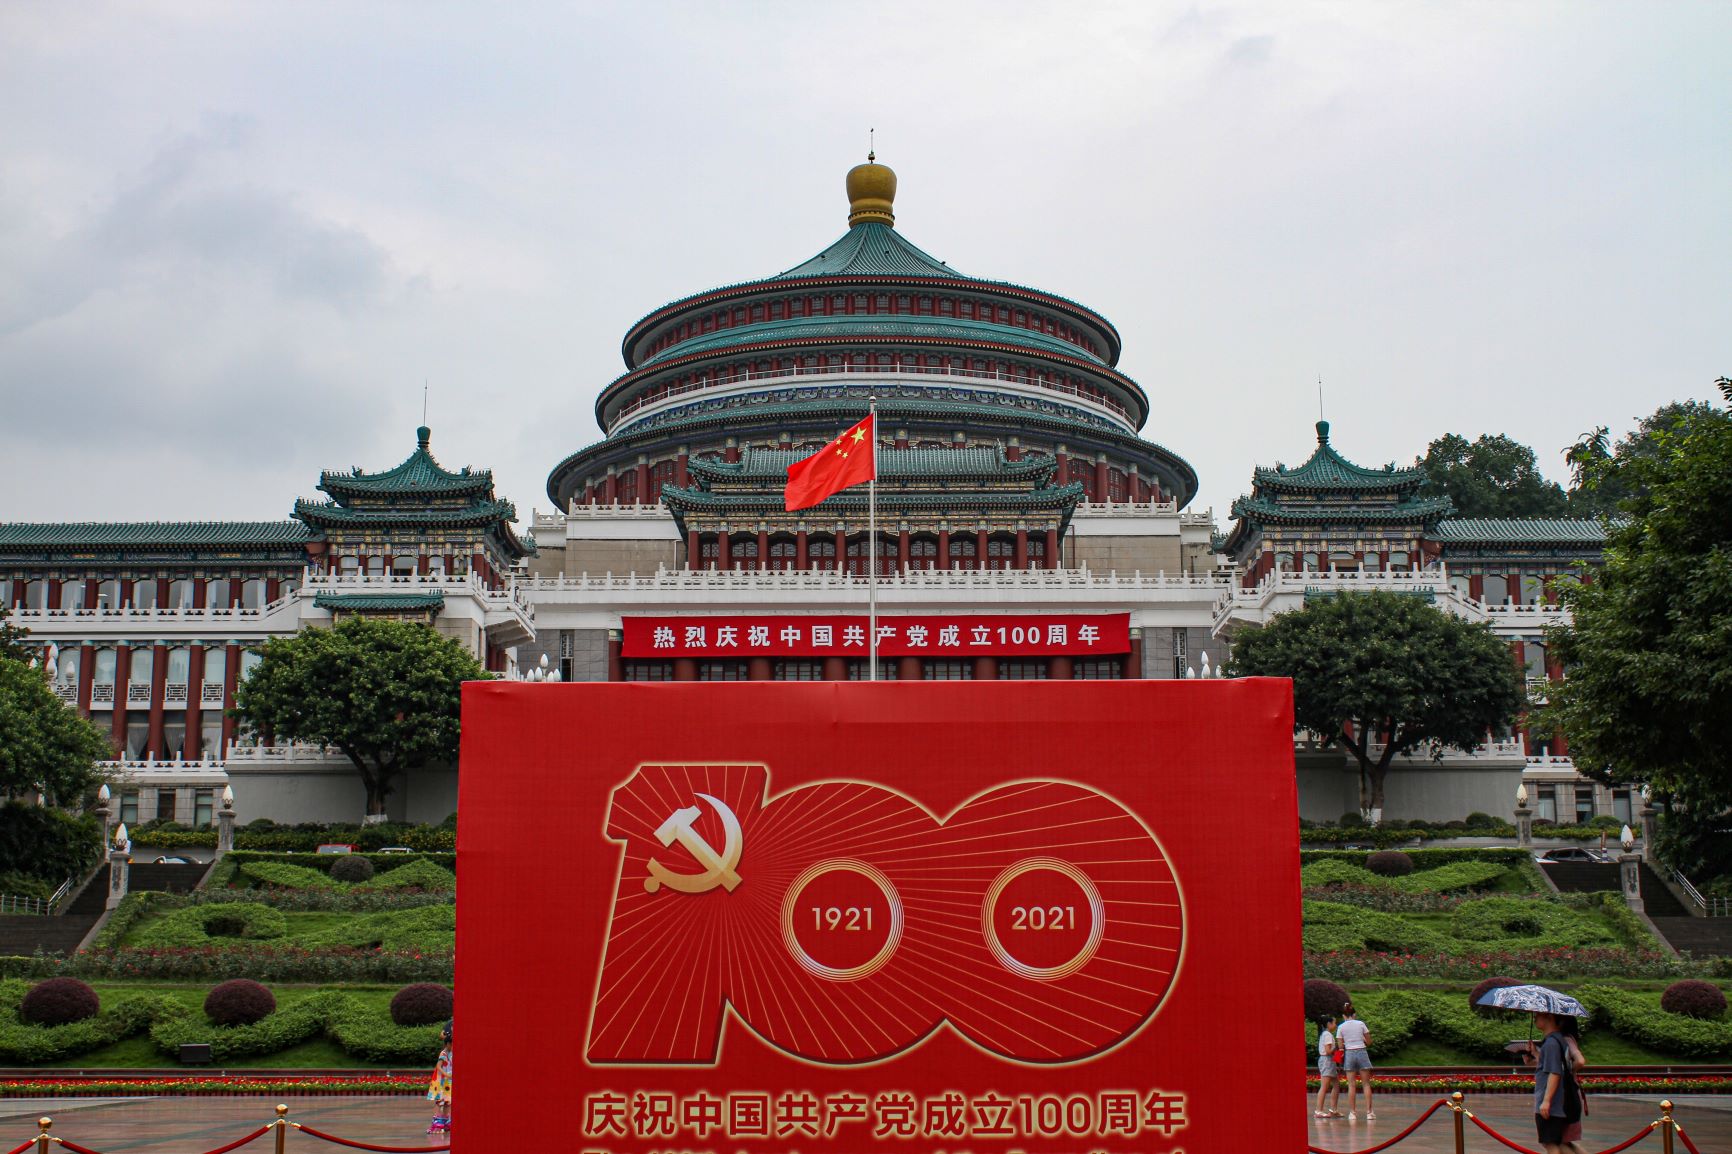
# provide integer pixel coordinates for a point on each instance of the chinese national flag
(848, 460)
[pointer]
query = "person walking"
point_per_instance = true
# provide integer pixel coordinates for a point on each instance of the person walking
(1556, 1102)
(1327, 1071)
(439, 1088)
(1354, 1040)
(1571, 1031)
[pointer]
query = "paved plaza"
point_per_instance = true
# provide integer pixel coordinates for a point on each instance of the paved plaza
(191, 1125)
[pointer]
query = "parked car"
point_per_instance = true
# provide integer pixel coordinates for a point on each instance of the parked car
(1571, 854)
(337, 847)
(395, 849)
(172, 861)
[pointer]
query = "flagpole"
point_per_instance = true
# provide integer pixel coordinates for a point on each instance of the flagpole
(872, 546)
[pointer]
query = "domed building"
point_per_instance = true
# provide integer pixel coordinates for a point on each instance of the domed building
(1001, 410)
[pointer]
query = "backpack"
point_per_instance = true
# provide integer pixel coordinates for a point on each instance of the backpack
(1569, 1096)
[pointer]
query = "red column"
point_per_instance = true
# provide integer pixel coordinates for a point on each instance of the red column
(980, 549)
(1101, 479)
(86, 660)
(231, 678)
(944, 548)
(1020, 559)
(158, 679)
(763, 549)
(902, 550)
(908, 669)
(194, 702)
(841, 551)
(835, 669)
(681, 477)
(122, 672)
(986, 669)
(1059, 668)
(1013, 452)
(685, 669)
(731, 452)
(758, 669)
(694, 550)
(1061, 475)
(615, 669)
(1475, 584)
(1134, 662)
(724, 558)
(1052, 558)
(803, 558)
(641, 483)
(610, 489)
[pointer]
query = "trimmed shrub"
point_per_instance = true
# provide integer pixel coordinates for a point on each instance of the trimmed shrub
(1389, 863)
(291, 877)
(1478, 820)
(1486, 987)
(220, 923)
(59, 1001)
(1694, 999)
(239, 1002)
(419, 875)
(1323, 999)
(1512, 923)
(352, 868)
(423, 1004)
(1353, 819)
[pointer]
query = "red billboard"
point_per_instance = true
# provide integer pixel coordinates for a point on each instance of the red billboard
(903, 635)
(779, 917)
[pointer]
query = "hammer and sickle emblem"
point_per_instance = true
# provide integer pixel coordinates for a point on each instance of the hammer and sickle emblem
(718, 867)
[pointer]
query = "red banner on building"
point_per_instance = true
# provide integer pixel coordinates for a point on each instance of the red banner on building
(837, 917)
(935, 635)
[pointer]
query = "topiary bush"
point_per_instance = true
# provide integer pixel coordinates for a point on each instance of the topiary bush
(1486, 987)
(1353, 819)
(423, 1004)
(1478, 820)
(239, 1002)
(1323, 999)
(1389, 863)
(217, 924)
(1694, 999)
(60, 1001)
(352, 869)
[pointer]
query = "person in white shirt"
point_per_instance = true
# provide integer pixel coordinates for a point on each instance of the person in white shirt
(1354, 1041)
(1327, 1072)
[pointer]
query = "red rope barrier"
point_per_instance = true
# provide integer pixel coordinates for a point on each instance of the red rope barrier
(1632, 1140)
(1512, 1145)
(239, 1142)
(1685, 1138)
(21, 1149)
(367, 1145)
(75, 1147)
(1435, 1107)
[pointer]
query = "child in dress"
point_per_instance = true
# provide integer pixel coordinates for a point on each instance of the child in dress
(439, 1089)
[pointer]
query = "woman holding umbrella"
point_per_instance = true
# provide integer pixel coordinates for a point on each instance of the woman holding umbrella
(1557, 1098)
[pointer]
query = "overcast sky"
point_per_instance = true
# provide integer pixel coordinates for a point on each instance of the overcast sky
(235, 240)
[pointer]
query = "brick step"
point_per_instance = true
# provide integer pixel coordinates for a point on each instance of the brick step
(23, 934)
(1657, 900)
(1583, 877)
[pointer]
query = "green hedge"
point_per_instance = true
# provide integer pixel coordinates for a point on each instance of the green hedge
(1457, 875)
(1514, 923)
(232, 923)
(322, 862)
(418, 873)
(1330, 926)
(269, 837)
(1639, 1018)
(1424, 858)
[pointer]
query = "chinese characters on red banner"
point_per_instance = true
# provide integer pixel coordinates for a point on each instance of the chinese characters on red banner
(842, 635)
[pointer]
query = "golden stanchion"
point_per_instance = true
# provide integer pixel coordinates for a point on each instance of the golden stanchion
(1667, 1126)
(1460, 1112)
(282, 1125)
(42, 1139)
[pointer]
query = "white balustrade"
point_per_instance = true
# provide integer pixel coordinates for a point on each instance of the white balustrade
(211, 693)
(138, 694)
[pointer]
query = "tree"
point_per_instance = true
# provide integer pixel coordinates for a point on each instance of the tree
(44, 743)
(386, 693)
(1489, 477)
(1385, 666)
(1648, 653)
(12, 639)
(1600, 484)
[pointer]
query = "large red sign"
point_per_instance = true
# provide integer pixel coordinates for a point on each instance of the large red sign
(936, 635)
(778, 917)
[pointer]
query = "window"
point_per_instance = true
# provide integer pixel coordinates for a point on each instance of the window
(211, 739)
(567, 653)
(36, 595)
(144, 593)
(179, 666)
(857, 559)
(1463, 586)
(103, 673)
(948, 671)
(857, 670)
(743, 551)
(1284, 562)
(1179, 653)
(219, 593)
(1000, 552)
(799, 671)
(1371, 562)
(404, 565)
(722, 671)
(215, 665)
(1022, 670)
(71, 595)
(1037, 552)
(1343, 561)
(1495, 590)
(923, 553)
(375, 566)
(962, 553)
(1621, 808)
(649, 671)
(349, 566)
(821, 553)
(179, 594)
(1098, 669)
(1534, 653)
(1546, 803)
(1533, 588)
(436, 564)
(1584, 804)
(129, 806)
(140, 667)
(108, 595)
(253, 593)
(165, 804)
(1309, 562)
(1398, 559)
(203, 807)
(174, 735)
(66, 666)
(250, 659)
(137, 739)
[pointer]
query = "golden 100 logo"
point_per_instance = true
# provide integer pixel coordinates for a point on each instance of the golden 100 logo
(843, 922)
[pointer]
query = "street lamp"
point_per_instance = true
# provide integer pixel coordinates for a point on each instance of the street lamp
(1627, 839)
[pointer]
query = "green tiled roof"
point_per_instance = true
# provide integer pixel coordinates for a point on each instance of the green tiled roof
(1049, 497)
(872, 249)
(478, 513)
(364, 602)
(1521, 530)
(772, 464)
(419, 475)
(1420, 509)
(72, 534)
(1329, 471)
(799, 330)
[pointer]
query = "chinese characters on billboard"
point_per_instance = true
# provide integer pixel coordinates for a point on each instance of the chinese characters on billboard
(842, 635)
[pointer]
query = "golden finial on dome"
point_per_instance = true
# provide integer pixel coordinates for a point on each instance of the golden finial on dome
(871, 192)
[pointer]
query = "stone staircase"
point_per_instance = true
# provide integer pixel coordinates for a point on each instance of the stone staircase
(23, 934)
(1582, 877)
(1703, 937)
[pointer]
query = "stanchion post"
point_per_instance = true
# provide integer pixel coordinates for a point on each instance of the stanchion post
(1460, 1113)
(282, 1127)
(1666, 1126)
(42, 1139)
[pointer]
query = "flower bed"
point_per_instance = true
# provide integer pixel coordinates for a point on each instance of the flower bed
(206, 1084)
(1655, 1083)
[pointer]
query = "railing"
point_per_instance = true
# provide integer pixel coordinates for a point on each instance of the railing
(211, 693)
(129, 613)
(468, 585)
(23, 904)
(1084, 578)
(723, 380)
(1711, 907)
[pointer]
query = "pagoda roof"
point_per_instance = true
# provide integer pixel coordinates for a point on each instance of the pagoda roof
(345, 516)
(872, 249)
(419, 475)
(364, 602)
(186, 534)
(1416, 510)
(974, 463)
(1522, 530)
(886, 327)
(1328, 471)
(855, 499)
